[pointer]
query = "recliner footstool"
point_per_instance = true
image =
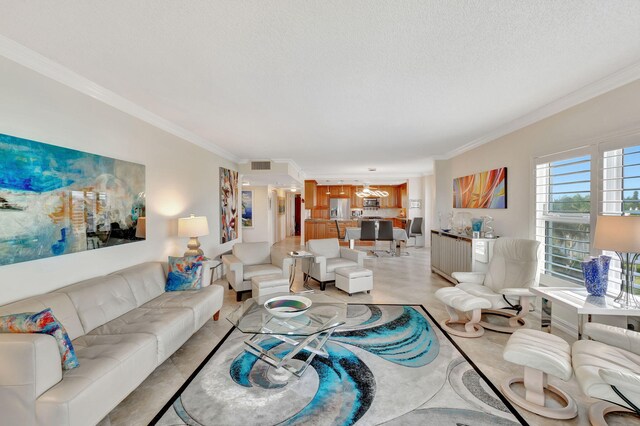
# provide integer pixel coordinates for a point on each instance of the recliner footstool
(456, 301)
(354, 279)
(540, 353)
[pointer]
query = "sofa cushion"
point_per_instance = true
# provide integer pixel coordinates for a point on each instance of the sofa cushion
(171, 327)
(110, 368)
(252, 253)
(60, 305)
(328, 247)
(185, 273)
(202, 303)
(146, 281)
(43, 323)
(259, 270)
(100, 300)
(338, 262)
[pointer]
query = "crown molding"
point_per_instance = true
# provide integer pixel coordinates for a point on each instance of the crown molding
(606, 84)
(55, 71)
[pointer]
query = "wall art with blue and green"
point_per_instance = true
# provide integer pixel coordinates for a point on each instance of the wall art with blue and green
(56, 201)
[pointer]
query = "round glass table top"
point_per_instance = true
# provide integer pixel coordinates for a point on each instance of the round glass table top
(325, 313)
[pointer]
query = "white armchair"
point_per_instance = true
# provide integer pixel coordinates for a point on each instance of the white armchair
(250, 260)
(328, 257)
(608, 368)
(514, 268)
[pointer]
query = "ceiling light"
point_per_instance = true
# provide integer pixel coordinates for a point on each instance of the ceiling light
(246, 183)
(372, 169)
(294, 189)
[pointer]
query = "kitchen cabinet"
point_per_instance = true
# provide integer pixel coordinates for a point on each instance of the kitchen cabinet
(356, 202)
(388, 202)
(309, 194)
(336, 190)
(322, 198)
(319, 229)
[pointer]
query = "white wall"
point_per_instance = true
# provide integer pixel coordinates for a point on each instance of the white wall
(584, 124)
(181, 178)
(260, 230)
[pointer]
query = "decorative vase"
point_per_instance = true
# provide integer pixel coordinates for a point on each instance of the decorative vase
(596, 275)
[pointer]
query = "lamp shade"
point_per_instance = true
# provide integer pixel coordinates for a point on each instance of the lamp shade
(141, 228)
(193, 226)
(618, 233)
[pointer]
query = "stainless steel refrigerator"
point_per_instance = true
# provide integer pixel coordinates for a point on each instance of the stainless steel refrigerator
(339, 208)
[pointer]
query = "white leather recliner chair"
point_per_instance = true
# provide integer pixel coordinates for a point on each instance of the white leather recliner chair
(250, 260)
(513, 269)
(608, 368)
(329, 256)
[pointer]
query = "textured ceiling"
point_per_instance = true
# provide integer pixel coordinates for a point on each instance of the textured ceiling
(337, 86)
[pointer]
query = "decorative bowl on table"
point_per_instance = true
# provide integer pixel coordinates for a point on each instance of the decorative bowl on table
(287, 306)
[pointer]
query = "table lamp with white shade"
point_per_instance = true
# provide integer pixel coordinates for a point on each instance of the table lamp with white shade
(621, 234)
(193, 227)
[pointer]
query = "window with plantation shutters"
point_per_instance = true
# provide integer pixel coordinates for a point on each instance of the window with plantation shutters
(563, 215)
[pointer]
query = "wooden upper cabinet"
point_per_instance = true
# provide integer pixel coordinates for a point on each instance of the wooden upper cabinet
(336, 189)
(322, 198)
(310, 198)
(403, 196)
(356, 202)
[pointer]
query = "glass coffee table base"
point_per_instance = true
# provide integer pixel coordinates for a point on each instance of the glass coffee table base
(313, 344)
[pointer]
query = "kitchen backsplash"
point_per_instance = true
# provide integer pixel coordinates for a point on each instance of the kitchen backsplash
(381, 212)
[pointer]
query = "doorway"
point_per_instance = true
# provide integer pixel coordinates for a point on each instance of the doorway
(297, 215)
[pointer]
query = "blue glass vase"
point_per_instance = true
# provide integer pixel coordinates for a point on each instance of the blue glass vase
(596, 275)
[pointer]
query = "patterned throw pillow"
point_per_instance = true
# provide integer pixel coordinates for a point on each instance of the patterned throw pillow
(44, 323)
(185, 273)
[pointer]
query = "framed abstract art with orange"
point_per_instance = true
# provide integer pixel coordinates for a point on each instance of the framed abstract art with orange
(484, 190)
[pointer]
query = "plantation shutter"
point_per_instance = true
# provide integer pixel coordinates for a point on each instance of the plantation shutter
(563, 214)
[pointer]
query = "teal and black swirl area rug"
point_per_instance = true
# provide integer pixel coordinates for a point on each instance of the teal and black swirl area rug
(387, 365)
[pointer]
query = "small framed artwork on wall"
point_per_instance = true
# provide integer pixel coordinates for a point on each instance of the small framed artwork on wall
(280, 205)
(247, 209)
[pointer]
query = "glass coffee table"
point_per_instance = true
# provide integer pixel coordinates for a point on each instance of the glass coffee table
(308, 331)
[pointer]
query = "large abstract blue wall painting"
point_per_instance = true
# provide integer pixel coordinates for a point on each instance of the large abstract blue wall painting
(56, 200)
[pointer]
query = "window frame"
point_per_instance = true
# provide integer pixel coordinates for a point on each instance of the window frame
(542, 215)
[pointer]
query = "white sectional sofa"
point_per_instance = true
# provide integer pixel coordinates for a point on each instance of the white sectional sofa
(122, 327)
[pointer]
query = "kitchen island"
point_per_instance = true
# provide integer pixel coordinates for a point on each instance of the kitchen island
(315, 229)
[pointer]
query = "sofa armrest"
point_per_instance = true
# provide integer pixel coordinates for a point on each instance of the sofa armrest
(234, 269)
(614, 336)
(353, 255)
(625, 381)
(30, 366)
(282, 261)
(469, 277)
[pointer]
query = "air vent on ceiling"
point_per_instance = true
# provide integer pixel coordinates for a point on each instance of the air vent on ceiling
(261, 165)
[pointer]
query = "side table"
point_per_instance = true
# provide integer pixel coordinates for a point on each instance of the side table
(296, 256)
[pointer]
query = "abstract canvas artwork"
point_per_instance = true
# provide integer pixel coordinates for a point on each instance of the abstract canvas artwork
(56, 200)
(485, 190)
(247, 209)
(228, 205)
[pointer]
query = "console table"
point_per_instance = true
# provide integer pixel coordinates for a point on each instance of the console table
(582, 303)
(452, 252)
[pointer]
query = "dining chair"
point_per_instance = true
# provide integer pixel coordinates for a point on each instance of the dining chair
(340, 236)
(415, 230)
(407, 229)
(385, 233)
(368, 232)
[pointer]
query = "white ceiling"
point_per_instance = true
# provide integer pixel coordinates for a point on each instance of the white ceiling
(335, 86)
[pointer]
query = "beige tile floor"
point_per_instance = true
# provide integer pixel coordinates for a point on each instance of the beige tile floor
(406, 279)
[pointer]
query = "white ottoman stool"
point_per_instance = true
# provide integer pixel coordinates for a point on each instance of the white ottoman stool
(354, 279)
(457, 300)
(541, 354)
(268, 284)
